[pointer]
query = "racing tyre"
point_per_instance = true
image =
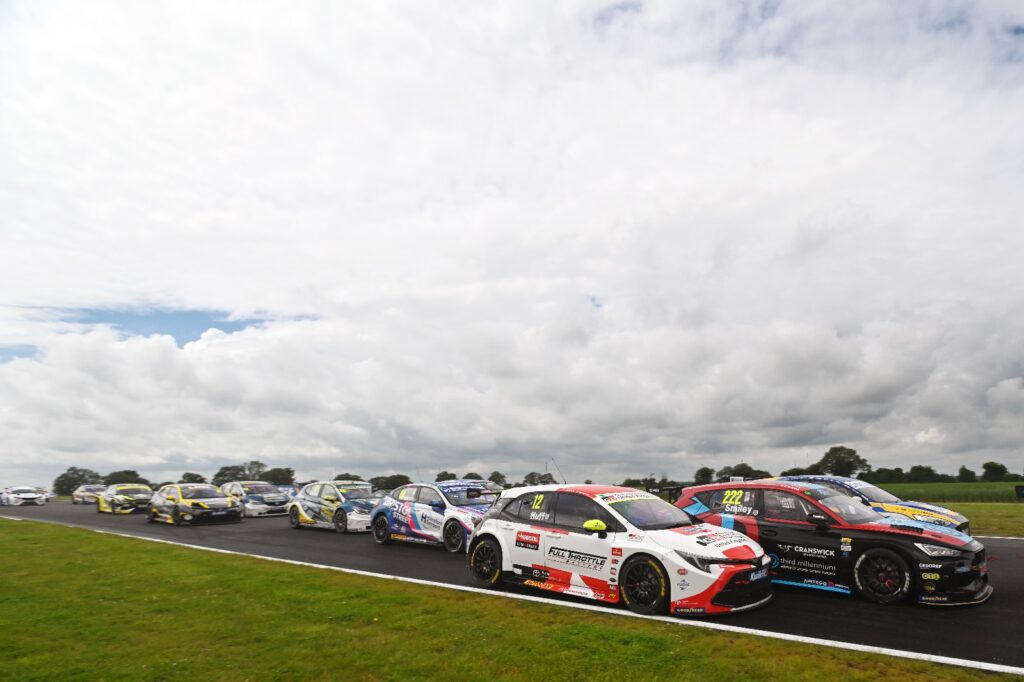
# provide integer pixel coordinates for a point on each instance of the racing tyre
(74, 501)
(241, 513)
(293, 518)
(485, 563)
(176, 518)
(98, 510)
(644, 586)
(381, 529)
(150, 516)
(882, 576)
(454, 537)
(340, 521)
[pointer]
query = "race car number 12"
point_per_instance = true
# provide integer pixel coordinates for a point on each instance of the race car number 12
(538, 500)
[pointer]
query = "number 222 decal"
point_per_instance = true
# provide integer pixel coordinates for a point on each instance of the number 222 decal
(732, 497)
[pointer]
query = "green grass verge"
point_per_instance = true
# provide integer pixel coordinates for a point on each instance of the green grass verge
(993, 518)
(80, 605)
(953, 492)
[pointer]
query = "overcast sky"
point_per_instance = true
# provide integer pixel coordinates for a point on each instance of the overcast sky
(634, 237)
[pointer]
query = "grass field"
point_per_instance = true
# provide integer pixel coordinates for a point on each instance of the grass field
(953, 492)
(993, 518)
(85, 606)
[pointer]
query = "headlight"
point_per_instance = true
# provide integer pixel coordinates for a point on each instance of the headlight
(701, 564)
(937, 550)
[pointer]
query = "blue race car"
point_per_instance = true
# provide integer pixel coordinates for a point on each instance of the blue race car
(888, 504)
(443, 513)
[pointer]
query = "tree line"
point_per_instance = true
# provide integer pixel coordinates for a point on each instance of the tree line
(255, 470)
(837, 461)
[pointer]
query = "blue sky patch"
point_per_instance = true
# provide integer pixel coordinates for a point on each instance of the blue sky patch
(8, 353)
(183, 325)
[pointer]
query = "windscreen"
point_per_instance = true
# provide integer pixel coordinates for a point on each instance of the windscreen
(259, 489)
(24, 490)
(463, 497)
(845, 507)
(648, 512)
(204, 492)
(94, 488)
(357, 493)
(134, 491)
(874, 493)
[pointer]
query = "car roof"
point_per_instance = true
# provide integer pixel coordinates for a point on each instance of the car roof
(794, 486)
(131, 485)
(818, 477)
(460, 483)
(591, 490)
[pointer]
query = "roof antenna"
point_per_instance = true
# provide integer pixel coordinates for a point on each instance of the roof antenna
(419, 474)
(565, 482)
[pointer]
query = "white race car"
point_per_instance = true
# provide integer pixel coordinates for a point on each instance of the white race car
(617, 544)
(23, 494)
(257, 498)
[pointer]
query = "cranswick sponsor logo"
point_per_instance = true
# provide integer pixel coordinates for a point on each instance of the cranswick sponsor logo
(809, 551)
(527, 540)
(568, 556)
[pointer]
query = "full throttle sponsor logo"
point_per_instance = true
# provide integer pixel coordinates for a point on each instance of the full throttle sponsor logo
(720, 539)
(568, 556)
(528, 540)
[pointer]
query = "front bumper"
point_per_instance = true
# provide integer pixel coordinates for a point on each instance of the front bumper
(266, 509)
(193, 515)
(359, 523)
(959, 582)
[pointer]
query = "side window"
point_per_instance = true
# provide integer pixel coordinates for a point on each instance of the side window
(428, 495)
(785, 506)
(310, 490)
(511, 510)
(406, 494)
(328, 491)
(537, 507)
(573, 510)
(733, 501)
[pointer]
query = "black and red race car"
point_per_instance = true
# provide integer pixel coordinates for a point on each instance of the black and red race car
(821, 539)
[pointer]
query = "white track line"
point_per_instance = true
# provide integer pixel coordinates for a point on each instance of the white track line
(995, 537)
(850, 646)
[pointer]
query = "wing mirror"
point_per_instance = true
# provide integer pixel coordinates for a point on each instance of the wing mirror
(820, 520)
(330, 498)
(171, 498)
(596, 526)
(437, 505)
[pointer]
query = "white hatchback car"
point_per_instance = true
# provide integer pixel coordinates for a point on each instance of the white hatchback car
(20, 494)
(617, 544)
(258, 498)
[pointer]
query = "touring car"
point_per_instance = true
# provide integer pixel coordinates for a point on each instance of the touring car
(22, 495)
(193, 503)
(888, 504)
(87, 494)
(825, 540)
(257, 498)
(615, 544)
(124, 498)
(342, 505)
(443, 513)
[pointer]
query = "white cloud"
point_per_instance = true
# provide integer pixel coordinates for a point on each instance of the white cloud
(632, 237)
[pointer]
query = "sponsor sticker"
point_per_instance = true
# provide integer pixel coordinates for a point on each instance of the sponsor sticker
(689, 609)
(528, 540)
(758, 575)
(580, 559)
(616, 551)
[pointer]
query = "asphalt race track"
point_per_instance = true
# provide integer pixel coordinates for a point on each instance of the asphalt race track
(991, 633)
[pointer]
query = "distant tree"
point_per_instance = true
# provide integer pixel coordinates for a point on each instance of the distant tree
(235, 472)
(345, 477)
(993, 471)
(124, 476)
(1013, 477)
(389, 482)
(445, 476)
(922, 474)
(795, 471)
(534, 478)
(473, 476)
(842, 461)
(704, 475)
(189, 477)
(66, 483)
(965, 475)
(742, 469)
(497, 478)
(281, 476)
(587, 482)
(255, 470)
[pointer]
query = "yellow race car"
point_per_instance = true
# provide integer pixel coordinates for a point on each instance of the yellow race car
(124, 498)
(193, 503)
